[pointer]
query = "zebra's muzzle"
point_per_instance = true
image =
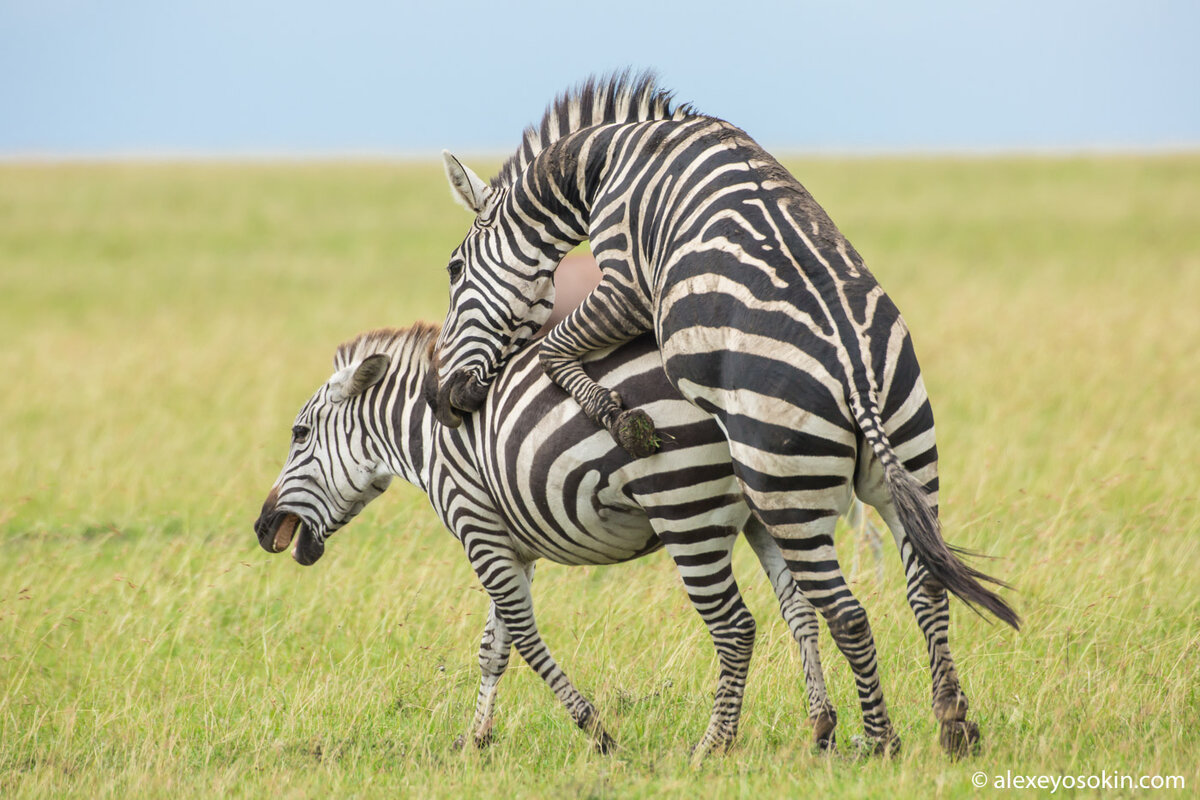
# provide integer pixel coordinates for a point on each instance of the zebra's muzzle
(279, 530)
(276, 530)
(463, 392)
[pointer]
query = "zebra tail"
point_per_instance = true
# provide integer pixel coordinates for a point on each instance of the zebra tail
(924, 531)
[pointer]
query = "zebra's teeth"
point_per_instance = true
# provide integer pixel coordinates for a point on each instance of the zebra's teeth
(285, 532)
(298, 537)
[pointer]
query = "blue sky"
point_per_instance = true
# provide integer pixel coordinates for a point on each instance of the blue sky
(267, 77)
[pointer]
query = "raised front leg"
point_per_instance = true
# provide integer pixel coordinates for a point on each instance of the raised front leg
(507, 582)
(602, 320)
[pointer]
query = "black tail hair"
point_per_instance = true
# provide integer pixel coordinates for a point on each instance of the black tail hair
(921, 525)
(940, 559)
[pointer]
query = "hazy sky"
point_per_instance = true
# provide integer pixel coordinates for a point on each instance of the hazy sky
(164, 77)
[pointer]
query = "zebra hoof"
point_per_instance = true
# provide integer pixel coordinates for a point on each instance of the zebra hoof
(634, 432)
(824, 735)
(886, 745)
(478, 741)
(604, 743)
(959, 738)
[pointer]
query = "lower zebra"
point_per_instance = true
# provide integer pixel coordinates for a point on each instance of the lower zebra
(529, 477)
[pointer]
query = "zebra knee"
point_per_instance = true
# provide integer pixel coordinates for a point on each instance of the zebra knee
(492, 662)
(922, 582)
(743, 630)
(933, 588)
(849, 623)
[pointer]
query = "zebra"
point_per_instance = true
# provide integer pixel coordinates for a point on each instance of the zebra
(766, 317)
(532, 477)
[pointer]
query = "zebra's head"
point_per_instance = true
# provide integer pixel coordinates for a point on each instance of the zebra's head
(501, 292)
(333, 468)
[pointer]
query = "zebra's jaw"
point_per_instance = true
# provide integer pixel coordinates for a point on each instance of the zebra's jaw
(309, 546)
(277, 530)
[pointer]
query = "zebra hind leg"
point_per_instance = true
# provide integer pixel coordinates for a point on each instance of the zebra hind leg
(931, 606)
(807, 545)
(494, 650)
(705, 564)
(801, 620)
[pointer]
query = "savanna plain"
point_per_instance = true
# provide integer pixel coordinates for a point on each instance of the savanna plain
(161, 324)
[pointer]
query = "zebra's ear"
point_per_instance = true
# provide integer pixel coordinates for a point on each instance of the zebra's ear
(466, 188)
(357, 378)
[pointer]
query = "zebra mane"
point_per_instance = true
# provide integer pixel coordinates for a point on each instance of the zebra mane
(619, 97)
(408, 345)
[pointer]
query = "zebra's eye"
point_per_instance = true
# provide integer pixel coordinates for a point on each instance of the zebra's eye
(299, 433)
(455, 268)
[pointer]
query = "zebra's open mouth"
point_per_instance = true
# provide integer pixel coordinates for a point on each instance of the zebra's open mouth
(462, 394)
(283, 529)
(285, 532)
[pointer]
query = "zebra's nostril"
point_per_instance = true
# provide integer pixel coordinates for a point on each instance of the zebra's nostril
(468, 394)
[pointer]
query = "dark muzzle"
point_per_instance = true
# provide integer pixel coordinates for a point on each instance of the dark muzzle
(276, 530)
(461, 393)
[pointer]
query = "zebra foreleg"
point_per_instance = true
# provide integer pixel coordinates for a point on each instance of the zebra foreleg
(801, 620)
(601, 320)
(507, 582)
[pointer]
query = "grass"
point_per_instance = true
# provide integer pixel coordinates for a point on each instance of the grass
(162, 323)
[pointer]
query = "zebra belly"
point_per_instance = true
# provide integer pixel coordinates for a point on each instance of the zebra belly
(567, 491)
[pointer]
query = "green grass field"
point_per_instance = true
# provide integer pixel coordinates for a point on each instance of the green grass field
(161, 324)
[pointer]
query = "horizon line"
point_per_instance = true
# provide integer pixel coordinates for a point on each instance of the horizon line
(353, 155)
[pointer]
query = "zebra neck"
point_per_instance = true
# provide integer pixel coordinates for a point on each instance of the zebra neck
(410, 428)
(557, 191)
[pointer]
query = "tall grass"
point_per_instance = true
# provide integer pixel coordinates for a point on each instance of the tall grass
(161, 324)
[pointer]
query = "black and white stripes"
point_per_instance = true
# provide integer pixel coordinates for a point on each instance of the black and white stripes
(766, 317)
(528, 477)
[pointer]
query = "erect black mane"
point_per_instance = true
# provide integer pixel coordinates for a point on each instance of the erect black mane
(620, 97)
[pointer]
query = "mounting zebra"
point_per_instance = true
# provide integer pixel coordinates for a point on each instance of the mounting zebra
(532, 477)
(766, 318)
